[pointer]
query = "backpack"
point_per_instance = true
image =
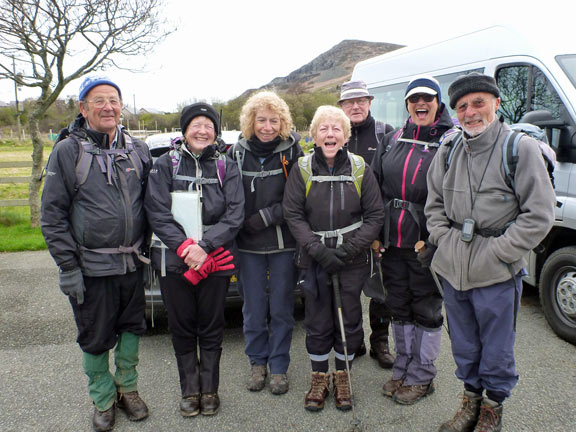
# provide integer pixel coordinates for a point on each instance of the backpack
(239, 152)
(176, 157)
(381, 129)
(510, 149)
(358, 168)
(88, 150)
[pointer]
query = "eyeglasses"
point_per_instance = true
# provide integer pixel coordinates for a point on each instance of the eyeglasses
(350, 102)
(475, 104)
(416, 97)
(101, 102)
(197, 126)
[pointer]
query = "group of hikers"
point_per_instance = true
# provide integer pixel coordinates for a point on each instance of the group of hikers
(342, 219)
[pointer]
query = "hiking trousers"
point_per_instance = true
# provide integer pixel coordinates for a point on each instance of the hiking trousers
(482, 324)
(267, 288)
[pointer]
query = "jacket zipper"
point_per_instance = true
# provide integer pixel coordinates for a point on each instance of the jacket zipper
(402, 212)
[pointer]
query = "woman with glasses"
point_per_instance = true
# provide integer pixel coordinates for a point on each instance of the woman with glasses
(266, 154)
(400, 165)
(192, 255)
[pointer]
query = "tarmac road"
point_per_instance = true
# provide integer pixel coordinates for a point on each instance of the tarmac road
(43, 388)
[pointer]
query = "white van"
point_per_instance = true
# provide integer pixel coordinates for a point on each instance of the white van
(537, 85)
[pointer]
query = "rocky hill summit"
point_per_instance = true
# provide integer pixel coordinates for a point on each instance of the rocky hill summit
(331, 68)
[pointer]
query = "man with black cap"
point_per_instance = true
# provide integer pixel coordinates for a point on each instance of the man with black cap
(483, 228)
(366, 134)
(93, 220)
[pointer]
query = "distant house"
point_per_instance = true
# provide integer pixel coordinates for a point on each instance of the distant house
(150, 111)
(5, 104)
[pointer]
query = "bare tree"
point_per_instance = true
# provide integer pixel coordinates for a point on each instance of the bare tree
(87, 35)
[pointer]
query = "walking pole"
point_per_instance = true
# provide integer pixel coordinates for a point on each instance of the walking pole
(419, 248)
(336, 287)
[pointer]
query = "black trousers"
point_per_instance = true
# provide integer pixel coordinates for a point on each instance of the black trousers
(195, 313)
(321, 318)
(112, 305)
(412, 293)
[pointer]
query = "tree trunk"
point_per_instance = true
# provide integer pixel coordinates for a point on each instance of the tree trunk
(37, 166)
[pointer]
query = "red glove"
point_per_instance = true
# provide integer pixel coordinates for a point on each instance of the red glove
(216, 260)
(184, 245)
(193, 276)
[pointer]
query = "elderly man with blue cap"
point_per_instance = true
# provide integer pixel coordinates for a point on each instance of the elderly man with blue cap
(93, 220)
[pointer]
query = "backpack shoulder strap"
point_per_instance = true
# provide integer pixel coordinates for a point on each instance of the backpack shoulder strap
(85, 155)
(238, 154)
(381, 129)
(358, 169)
(451, 144)
(304, 163)
(221, 168)
(510, 156)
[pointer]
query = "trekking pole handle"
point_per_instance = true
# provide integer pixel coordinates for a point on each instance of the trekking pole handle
(336, 288)
(420, 246)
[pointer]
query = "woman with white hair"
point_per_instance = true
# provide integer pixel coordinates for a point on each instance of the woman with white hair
(333, 207)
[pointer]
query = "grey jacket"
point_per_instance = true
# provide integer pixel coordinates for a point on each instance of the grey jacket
(476, 175)
(98, 225)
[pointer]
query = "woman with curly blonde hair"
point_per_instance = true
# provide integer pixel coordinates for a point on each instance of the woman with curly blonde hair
(265, 154)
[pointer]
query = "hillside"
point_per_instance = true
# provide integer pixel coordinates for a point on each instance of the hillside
(331, 68)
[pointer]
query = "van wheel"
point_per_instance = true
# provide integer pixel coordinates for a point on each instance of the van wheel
(558, 292)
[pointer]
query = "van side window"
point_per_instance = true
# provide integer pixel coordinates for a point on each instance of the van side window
(524, 88)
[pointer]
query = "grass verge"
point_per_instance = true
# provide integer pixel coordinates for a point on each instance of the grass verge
(16, 235)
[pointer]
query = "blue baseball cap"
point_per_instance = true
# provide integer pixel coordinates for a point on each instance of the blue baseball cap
(92, 81)
(424, 84)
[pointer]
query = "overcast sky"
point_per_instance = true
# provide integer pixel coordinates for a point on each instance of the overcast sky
(221, 48)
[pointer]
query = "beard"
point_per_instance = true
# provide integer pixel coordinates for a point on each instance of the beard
(476, 130)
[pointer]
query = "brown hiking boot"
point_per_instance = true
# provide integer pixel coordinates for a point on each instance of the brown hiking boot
(103, 421)
(134, 407)
(466, 417)
(319, 391)
(490, 417)
(408, 395)
(209, 404)
(257, 378)
(391, 386)
(278, 384)
(342, 390)
(381, 352)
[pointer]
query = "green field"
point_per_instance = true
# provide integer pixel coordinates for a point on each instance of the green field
(15, 231)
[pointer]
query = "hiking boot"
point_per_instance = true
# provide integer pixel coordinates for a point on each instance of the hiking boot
(278, 384)
(391, 386)
(190, 405)
(408, 395)
(104, 420)
(362, 350)
(134, 407)
(467, 415)
(257, 378)
(319, 391)
(209, 404)
(490, 417)
(342, 390)
(381, 352)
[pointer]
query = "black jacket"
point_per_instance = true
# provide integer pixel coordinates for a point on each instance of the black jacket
(364, 138)
(333, 205)
(105, 212)
(263, 195)
(222, 206)
(401, 168)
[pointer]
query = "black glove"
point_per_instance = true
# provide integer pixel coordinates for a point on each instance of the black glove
(254, 224)
(72, 284)
(425, 257)
(330, 259)
(348, 251)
